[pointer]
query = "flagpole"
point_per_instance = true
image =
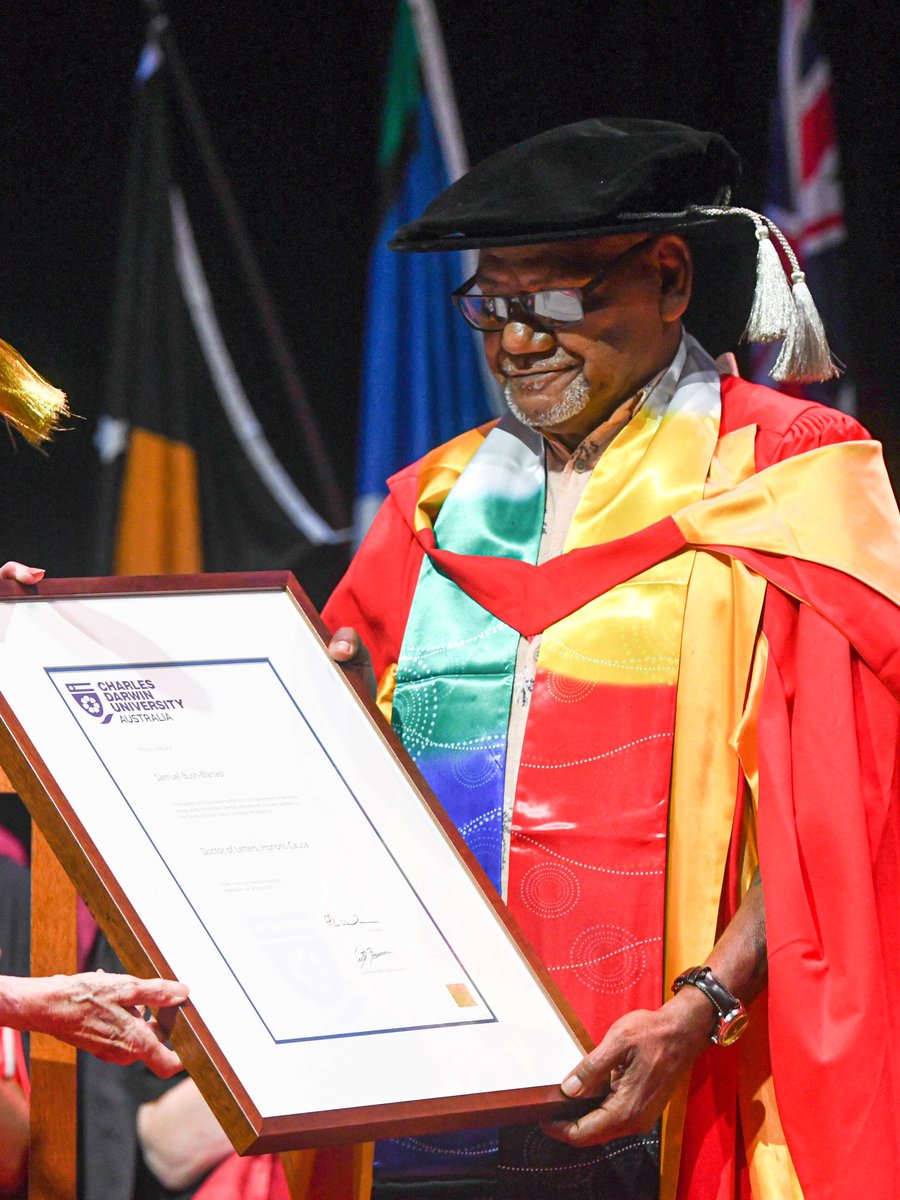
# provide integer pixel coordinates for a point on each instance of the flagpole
(436, 77)
(160, 29)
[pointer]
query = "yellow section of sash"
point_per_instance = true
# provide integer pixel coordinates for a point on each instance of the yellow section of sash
(772, 1174)
(656, 466)
(384, 696)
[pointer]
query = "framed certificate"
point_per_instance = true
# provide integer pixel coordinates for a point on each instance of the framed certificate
(239, 816)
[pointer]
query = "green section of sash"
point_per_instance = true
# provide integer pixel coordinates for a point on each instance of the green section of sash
(457, 663)
(448, 630)
(448, 633)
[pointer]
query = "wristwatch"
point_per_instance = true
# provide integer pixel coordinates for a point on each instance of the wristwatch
(732, 1015)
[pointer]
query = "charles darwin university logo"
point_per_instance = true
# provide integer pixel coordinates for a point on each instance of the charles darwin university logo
(85, 696)
(129, 701)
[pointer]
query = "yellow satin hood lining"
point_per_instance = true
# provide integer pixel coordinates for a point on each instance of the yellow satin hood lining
(804, 507)
(719, 688)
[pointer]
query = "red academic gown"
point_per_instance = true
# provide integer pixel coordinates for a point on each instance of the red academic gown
(829, 827)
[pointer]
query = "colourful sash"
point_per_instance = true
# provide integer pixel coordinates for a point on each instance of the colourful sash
(588, 844)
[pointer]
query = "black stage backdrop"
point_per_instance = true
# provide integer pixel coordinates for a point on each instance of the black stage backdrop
(293, 92)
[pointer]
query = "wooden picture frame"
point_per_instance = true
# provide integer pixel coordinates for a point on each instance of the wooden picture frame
(55, 638)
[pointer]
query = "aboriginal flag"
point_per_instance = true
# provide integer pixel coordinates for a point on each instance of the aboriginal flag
(194, 403)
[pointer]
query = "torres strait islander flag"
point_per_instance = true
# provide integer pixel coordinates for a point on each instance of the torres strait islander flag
(805, 197)
(423, 379)
(190, 478)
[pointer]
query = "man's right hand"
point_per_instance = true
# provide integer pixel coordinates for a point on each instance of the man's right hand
(98, 1012)
(347, 649)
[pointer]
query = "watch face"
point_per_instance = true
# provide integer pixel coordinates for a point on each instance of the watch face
(731, 1027)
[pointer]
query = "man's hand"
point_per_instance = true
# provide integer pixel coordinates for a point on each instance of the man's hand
(20, 573)
(644, 1054)
(97, 1012)
(636, 1068)
(347, 649)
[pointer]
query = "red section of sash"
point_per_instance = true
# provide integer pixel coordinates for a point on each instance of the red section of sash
(588, 844)
(529, 598)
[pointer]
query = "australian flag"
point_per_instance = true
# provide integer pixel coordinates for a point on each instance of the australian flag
(805, 197)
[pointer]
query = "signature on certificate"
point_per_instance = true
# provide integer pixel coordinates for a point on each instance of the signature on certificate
(336, 922)
(368, 956)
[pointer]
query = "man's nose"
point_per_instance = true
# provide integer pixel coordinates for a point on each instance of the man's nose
(519, 337)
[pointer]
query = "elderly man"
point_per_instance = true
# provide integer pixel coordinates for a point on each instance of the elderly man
(633, 635)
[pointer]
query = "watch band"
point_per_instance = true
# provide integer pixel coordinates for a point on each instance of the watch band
(732, 1016)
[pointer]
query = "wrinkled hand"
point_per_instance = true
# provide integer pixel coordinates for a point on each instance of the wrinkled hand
(347, 648)
(20, 573)
(100, 1013)
(637, 1065)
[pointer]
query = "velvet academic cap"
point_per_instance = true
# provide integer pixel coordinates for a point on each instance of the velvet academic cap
(602, 177)
(585, 180)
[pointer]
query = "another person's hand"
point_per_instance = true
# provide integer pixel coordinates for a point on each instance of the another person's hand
(20, 573)
(180, 1138)
(636, 1068)
(346, 647)
(98, 1012)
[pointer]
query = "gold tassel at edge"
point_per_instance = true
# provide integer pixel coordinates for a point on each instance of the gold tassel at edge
(27, 401)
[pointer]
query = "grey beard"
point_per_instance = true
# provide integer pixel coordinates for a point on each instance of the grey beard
(572, 401)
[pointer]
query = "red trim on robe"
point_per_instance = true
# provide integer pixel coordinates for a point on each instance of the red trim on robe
(829, 840)
(259, 1177)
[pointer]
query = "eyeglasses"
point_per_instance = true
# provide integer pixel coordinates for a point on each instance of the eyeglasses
(555, 308)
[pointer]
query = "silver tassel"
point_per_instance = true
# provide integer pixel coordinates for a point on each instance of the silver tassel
(805, 356)
(777, 310)
(772, 312)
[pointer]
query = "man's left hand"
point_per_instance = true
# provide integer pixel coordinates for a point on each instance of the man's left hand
(637, 1065)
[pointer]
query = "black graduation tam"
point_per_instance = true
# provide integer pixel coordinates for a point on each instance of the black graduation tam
(597, 178)
(590, 179)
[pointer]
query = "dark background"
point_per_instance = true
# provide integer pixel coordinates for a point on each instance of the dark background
(293, 93)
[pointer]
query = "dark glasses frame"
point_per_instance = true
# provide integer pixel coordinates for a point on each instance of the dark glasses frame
(537, 306)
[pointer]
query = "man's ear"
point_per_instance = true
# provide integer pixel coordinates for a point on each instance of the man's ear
(676, 272)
